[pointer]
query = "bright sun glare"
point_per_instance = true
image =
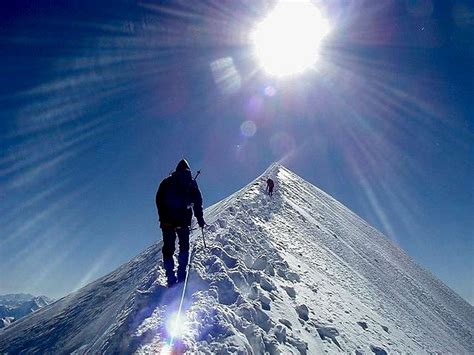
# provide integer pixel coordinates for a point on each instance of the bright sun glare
(287, 41)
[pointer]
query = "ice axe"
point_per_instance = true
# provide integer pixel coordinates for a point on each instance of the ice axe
(202, 228)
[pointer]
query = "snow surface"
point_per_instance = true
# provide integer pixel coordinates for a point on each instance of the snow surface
(298, 273)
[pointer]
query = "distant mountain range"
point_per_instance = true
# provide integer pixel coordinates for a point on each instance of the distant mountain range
(17, 305)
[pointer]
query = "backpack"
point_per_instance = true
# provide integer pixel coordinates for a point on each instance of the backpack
(176, 192)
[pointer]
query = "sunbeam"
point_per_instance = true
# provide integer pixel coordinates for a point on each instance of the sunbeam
(370, 101)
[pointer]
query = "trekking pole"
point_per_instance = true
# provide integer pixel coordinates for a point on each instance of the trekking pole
(203, 239)
(183, 293)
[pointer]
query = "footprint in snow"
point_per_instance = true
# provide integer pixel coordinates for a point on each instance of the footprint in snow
(329, 333)
(303, 312)
(222, 223)
(260, 263)
(280, 333)
(265, 301)
(289, 275)
(226, 291)
(285, 322)
(211, 228)
(377, 350)
(290, 291)
(266, 284)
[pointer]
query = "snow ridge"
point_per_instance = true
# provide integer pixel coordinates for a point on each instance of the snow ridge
(294, 274)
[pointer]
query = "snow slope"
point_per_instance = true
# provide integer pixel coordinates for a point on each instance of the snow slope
(297, 273)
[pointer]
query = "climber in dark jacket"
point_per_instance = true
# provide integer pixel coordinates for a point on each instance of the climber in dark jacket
(178, 196)
(270, 186)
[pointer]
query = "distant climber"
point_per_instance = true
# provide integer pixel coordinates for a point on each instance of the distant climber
(178, 196)
(270, 186)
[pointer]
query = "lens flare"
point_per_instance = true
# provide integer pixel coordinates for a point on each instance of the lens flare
(176, 325)
(248, 129)
(166, 350)
(226, 76)
(270, 91)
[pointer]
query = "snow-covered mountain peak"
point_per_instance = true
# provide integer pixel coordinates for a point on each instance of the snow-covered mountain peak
(274, 168)
(293, 273)
(14, 299)
(16, 306)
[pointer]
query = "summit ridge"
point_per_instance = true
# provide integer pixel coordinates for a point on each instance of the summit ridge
(295, 273)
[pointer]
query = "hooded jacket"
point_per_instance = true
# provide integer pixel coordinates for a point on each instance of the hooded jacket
(177, 198)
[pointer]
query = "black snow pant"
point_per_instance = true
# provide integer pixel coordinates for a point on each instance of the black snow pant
(169, 241)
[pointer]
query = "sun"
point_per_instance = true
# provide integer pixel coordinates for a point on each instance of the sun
(287, 41)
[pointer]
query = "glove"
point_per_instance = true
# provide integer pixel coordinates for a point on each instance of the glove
(201, 222)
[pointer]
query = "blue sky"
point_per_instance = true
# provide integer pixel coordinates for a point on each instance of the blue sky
(98, 102)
